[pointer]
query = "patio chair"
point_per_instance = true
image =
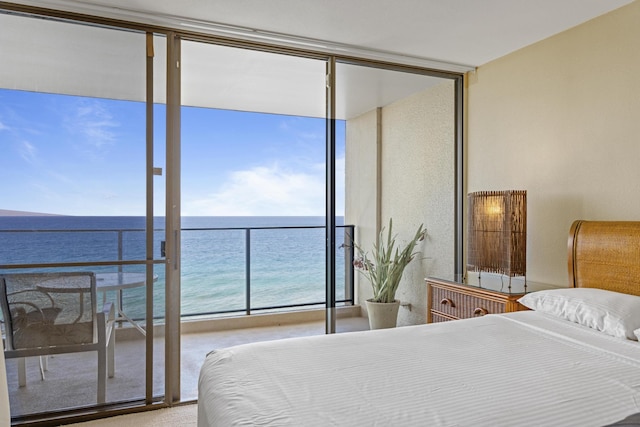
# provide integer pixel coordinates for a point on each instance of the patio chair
(55, 313)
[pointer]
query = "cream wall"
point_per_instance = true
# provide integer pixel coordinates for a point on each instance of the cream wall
(561, 119)
(400, 164)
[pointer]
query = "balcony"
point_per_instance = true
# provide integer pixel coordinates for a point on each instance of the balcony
(245, 310)
(70, 381)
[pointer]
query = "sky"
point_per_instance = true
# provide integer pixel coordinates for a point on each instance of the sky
(73, 155)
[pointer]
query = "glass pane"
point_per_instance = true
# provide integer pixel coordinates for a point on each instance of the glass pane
(253, 192)
(400, 160)
(72, 131)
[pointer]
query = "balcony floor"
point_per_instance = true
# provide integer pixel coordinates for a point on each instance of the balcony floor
(71, 380)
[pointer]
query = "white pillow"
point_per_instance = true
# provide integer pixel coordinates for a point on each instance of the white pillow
(613, 313)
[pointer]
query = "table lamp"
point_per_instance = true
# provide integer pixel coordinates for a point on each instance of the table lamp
(497, 234)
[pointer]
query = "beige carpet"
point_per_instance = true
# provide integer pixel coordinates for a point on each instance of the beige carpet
(183, 416)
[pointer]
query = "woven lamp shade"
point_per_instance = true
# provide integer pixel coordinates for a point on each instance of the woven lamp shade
(498, 232)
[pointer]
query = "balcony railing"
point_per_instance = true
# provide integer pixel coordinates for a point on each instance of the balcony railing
(225, 270)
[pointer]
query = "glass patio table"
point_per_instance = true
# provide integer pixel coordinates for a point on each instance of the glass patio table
(106, 282)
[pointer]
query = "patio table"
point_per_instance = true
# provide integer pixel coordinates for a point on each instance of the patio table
(118, 282)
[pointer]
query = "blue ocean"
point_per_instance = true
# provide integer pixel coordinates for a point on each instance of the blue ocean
(286, 257)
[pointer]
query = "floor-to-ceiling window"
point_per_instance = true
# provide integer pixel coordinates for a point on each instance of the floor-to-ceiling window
(78, 196)
(253, 182)
(86, 134)
(402, 147)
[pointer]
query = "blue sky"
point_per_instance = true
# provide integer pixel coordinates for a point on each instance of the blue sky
(85, 156)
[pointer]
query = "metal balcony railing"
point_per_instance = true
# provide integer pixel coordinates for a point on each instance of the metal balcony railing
(224, 270)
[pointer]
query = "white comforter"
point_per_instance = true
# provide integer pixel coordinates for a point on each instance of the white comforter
(517, 369)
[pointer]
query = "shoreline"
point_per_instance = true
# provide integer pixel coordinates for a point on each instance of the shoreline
(8, 212)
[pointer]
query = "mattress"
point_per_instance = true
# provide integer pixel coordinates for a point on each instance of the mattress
(524, 368)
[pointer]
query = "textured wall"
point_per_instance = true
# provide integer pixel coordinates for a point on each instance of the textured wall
(418, 159)
(560, 120)
(362, 185)
(415, 182)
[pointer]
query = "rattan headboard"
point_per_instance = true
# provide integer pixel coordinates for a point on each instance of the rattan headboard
(606, 255)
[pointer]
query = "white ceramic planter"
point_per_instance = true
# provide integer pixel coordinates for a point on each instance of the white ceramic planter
(382, 315)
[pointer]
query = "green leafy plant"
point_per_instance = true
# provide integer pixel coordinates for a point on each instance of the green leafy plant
(387, 263)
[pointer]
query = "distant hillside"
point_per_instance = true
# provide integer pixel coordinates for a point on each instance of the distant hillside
(7, 212)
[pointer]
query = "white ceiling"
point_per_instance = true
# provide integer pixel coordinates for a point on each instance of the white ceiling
(468, 32)
(451, 34)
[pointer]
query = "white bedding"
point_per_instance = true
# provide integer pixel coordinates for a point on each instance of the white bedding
(516, 369)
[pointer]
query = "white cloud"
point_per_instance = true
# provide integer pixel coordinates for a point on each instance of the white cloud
(3, 126)
(63, 180)
(28, 152)
(264, 190)
(93, 121)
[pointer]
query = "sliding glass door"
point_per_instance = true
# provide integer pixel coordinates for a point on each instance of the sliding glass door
(78, 195)
(401, 162)
(252, 190)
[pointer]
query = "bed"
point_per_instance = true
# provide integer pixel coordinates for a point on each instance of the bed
(572, 360)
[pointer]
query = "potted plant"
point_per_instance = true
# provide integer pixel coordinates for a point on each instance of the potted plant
(384, 269)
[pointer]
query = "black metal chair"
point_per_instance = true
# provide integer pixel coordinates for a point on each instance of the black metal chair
(55, 313)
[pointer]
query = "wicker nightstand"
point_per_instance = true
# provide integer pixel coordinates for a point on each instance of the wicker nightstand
(451, 300)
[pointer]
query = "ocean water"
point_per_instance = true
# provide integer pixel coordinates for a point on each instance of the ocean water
(287, 265)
